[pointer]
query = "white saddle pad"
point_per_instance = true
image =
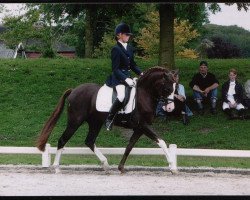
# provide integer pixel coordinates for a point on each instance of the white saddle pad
(104, 100)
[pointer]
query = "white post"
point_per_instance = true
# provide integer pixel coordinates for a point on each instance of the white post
(173, 156)
(46, 156)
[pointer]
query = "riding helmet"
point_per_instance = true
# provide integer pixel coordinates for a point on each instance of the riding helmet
(122, 28)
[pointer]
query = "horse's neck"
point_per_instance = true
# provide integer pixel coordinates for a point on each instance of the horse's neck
(145, 100)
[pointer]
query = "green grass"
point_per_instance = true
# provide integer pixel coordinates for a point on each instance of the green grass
(30, 89)
(151, 161)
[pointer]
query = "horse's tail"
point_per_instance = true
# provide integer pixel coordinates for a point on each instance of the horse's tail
(50, 124)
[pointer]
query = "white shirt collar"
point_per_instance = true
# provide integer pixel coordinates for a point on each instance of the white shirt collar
(123, 44)
(203, 75)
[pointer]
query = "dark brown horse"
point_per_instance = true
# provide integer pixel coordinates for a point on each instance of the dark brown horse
(156, 83)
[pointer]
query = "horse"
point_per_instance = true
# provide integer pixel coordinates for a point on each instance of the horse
(156, 83)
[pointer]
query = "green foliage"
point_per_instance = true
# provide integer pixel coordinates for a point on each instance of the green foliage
(19, 29)
(2, 8)
(196, 14)
(223, 49)
(104, 49)
(35, 24)
(233, 34)
(149, 37)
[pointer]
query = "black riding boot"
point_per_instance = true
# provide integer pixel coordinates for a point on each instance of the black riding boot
(117, 105)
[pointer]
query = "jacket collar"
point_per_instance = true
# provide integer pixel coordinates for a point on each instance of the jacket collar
(122, 48)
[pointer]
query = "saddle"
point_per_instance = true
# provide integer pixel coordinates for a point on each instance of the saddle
(106, 96)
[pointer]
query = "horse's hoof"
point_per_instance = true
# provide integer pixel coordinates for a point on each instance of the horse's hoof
(174, 171)
(121, 169)
(57, 169)
(105, 166)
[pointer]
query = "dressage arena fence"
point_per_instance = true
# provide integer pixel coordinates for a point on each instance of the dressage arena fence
(173, 150)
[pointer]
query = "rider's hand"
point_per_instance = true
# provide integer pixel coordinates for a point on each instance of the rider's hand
(130, 82)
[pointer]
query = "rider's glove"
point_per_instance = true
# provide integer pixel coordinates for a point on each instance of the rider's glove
(130, 82)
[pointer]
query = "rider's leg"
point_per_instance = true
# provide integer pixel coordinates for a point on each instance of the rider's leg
(117, 105)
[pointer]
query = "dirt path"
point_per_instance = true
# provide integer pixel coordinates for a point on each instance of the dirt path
(37, 181)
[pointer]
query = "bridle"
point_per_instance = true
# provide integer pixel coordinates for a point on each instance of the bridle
(168, 100)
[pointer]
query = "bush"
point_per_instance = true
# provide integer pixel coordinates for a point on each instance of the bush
(223, 49)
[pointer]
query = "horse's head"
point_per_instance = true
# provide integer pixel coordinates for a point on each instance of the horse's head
(168, 90)
(160, 83)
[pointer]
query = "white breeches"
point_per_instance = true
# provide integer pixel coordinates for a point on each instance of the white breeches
(238, 107)
(120, 92)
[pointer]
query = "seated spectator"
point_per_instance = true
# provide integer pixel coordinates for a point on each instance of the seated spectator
(247, 94)
(180, 104)
(204, 85)
(232, 96)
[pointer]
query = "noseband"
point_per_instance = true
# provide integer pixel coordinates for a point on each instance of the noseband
(166, 100)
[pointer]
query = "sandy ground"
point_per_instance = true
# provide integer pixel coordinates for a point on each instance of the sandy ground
(75, 180)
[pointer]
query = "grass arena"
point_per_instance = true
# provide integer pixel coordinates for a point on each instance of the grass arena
(32, 180)
(28, 89)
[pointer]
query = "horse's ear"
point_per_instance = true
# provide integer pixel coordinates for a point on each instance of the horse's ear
(166, 75)
(176, 72)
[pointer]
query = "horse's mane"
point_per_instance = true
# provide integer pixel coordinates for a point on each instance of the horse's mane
(149, 71)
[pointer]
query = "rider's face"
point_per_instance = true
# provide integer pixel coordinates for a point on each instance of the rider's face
(124, 37)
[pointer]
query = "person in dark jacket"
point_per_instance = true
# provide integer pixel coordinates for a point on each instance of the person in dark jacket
(204, 85)
(232, 96)
(122, 56)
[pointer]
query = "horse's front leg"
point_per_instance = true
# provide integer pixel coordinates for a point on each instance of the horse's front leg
(134, 138)
(151, 134)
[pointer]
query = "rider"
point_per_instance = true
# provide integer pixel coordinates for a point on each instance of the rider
(122, 57)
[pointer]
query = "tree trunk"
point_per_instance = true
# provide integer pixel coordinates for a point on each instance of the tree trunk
(166, 54)
(89, 35)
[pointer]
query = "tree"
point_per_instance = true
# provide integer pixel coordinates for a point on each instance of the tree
(167, 14)
(19, 29)
(1, 8)
(149, 37)
(96, 19)
(166, 53)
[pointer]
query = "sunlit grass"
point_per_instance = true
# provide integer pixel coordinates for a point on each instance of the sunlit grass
(30, 89)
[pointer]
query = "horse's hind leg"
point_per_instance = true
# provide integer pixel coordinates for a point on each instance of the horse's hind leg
(67, 134)
(134, 138)
(94, 129)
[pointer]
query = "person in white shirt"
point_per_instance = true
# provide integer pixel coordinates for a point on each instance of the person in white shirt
(232, 96)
